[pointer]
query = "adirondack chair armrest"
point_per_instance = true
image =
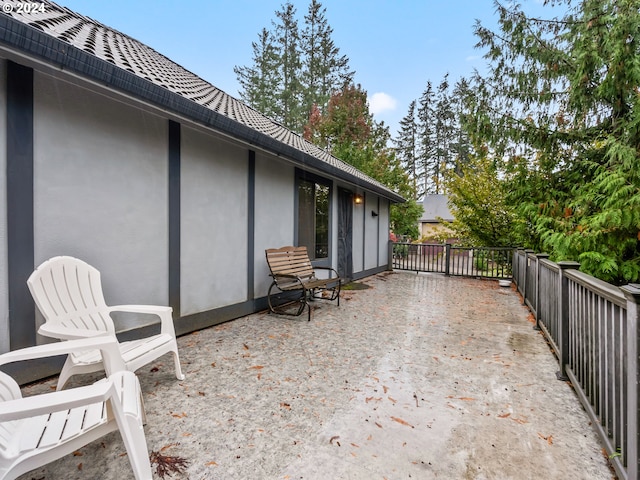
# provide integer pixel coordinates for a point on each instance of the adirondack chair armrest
(164, 312)
(107, 344)
(57, 401)
(68, 333)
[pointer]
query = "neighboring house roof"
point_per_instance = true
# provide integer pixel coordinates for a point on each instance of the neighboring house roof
(86, 47)
(435, 207)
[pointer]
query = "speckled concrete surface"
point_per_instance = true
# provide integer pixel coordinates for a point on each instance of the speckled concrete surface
(419, 376)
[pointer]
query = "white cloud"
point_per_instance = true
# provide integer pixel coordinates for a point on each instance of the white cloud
(381, 102)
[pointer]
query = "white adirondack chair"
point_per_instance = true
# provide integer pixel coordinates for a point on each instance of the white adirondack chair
(68, 293)
(41, 428)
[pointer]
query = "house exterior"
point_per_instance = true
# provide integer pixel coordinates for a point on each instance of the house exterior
(114, 154)
(435, 211)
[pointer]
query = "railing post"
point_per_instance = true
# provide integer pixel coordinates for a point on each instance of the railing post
(525, 275)
(537, 299)
(563, 317)
(632, 292)
(390, 256)
(447, 257)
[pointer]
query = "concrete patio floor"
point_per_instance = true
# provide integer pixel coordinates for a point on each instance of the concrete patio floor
(418, 376)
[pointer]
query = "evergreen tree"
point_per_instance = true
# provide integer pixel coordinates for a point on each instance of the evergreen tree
(407, 149)
(444, 132)
(426, 139)
(260, 82)
(561, 106)
(287, 43)
(460, 143)
(324, 70)
(294, 71)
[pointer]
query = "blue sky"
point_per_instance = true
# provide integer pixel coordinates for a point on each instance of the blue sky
(394, 46)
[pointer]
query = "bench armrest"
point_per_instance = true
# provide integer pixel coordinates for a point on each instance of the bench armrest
(330, 269)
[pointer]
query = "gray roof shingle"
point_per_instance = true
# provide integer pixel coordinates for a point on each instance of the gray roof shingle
(205, 103)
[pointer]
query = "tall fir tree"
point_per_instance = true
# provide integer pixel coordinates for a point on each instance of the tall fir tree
(324, 70)
(260, 82)
(444, 132)
(293, 71)
(287, 44)
(426, 139)
(407, 149)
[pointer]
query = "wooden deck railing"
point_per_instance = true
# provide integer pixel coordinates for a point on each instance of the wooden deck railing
(592, 327)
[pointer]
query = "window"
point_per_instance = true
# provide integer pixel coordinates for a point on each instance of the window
(313, 218)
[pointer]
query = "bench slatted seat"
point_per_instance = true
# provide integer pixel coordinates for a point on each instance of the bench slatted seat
(295, 281)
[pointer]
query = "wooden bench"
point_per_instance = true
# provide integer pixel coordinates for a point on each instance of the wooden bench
(295, 283)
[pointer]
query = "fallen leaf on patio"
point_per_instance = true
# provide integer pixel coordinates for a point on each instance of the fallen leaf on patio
(549, 439)
(401, 422)
(169, 446)
(385, 388)
(168, 465)
(79, 466)
(465, 399)
(436, 359)
(201, 394)
(285, 405)
(78, 454)
(378, 425)
(370, 437)
(393, 400)
(186, 434)
(211, 464)
(256, 367)
(355, 445)
(213, 364)
(505, 415)
(521, 421)
(335, 437)
(154, 369)
(246, 347)
(179, 415)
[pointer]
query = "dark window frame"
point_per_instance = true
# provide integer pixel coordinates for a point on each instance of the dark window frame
(301, 176)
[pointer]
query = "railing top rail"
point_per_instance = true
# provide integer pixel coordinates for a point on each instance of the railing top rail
(602, 288)
(549, 265)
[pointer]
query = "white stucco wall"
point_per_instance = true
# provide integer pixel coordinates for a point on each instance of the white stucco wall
(4, 301)
(100, 182)
(214, 178)
(274, 213)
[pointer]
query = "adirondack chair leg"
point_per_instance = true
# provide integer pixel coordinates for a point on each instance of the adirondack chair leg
(176, 361)
(136, 446)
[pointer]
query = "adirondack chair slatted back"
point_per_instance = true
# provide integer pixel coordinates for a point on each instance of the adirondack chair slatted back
(68, 292)
(289, 261)
(9, 390)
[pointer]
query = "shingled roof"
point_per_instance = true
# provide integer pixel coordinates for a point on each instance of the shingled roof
(79, 44)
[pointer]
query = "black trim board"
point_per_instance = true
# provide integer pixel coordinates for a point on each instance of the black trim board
(20, 204)
(174, 216)
(251, 224)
